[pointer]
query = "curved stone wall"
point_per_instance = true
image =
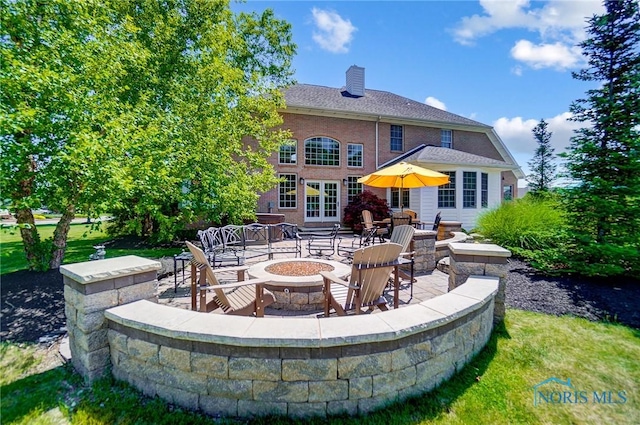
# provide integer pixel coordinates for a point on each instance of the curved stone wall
(242, 366)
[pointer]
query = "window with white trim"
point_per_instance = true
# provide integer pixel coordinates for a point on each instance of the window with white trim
(396, 138)
(288, 152)
(446, 139)
(288, 191)
(322, 151)
(353, 188)
(484, 190)
(447, 192)
(469, 189)
(395, 198)
(354, 155)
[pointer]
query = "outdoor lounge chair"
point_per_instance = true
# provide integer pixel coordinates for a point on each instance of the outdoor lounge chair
(346, 247)
(243, 298)
(370, 273)
(367, 223)
(318, 243)
(403, 235)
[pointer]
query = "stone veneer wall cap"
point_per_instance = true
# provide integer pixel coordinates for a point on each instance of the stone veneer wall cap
(95, 271)
(413, 319)
(486, 249)
(347, 330)
(293, 332)
(453, 305)
(420, 232)
(479, 288)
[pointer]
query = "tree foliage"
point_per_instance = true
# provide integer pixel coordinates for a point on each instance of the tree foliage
(137, 107)
(604, 157)
(366, 200)
(542, 165)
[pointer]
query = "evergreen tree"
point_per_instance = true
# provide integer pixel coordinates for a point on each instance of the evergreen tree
(543, 168)
(604, 157)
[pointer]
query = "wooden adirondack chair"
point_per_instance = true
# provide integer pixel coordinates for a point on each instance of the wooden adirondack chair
(244, 298)
(370, 273)
(367, 223)
(403, 235)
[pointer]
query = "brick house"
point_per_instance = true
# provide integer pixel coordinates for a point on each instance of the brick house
(341, 134)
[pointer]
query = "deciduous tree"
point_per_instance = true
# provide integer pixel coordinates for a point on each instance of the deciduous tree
(137, 107)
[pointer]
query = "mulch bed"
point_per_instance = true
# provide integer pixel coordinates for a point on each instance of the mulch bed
(32, 304)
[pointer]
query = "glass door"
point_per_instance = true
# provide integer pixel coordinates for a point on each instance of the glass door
(322, 201)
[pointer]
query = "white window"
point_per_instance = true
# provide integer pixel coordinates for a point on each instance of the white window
(354, 155)
(353, 188)
(447, 192)
(288, 191)
(287, 154)
(321, 151)
(396, 138)
(469, 188)
(446, 139)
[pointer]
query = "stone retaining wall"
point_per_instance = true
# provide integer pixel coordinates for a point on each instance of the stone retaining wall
(468, 259)
(89, 289)
(424, 242)
(300, 367)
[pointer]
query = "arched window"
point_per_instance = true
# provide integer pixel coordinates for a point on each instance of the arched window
(322, 151)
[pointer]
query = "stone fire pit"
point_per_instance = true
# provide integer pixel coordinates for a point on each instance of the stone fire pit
(296, 283)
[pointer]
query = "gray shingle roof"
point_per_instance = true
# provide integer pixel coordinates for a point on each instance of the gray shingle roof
(438, 155)
(374, 103)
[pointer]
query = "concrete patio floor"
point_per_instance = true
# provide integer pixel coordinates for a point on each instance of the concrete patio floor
(427, 286)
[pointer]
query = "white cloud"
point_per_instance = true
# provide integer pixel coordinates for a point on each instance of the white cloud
(517, 134)
(333, 33)
(517, 70)
(560, 25)
(556, 19)
(432, 101)
(556, 55)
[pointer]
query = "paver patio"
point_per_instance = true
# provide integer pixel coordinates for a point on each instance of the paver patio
(427, 286)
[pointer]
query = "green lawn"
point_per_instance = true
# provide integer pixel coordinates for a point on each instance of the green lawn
(80, 242)
(495, 388)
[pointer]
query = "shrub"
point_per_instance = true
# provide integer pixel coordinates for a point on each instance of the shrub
(531, 227)
(365, 201)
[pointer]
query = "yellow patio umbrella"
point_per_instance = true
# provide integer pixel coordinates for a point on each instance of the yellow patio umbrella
(404, 176)
(311, 191)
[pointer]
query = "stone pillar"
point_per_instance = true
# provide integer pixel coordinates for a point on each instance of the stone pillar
(466, 259)
(445, 229)
(89, 289)
(424, 244)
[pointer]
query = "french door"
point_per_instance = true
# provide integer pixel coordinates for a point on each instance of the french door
(322, 201)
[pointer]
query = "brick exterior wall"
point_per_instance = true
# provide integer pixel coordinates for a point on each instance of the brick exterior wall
(363, 132)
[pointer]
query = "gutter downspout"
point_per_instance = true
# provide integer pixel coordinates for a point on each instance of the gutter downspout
(377, 142)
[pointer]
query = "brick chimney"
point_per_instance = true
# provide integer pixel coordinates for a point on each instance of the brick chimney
(355, 81)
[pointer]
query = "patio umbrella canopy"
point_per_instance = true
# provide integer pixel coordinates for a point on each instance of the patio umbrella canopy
(404, 176)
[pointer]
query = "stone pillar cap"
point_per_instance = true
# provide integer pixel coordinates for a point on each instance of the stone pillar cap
(110, 268)
(484, 249)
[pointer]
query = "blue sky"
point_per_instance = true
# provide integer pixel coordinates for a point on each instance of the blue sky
(503, 63)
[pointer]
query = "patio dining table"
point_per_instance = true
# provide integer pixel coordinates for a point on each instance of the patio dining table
(415, 223)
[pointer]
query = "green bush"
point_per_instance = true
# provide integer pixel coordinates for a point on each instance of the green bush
(531, 227)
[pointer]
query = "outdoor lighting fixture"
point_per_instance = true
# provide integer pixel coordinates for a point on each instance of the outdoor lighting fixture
(344, 182)
(301, 180)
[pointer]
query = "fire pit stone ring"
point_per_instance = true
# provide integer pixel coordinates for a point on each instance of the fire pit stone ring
(296, 283)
